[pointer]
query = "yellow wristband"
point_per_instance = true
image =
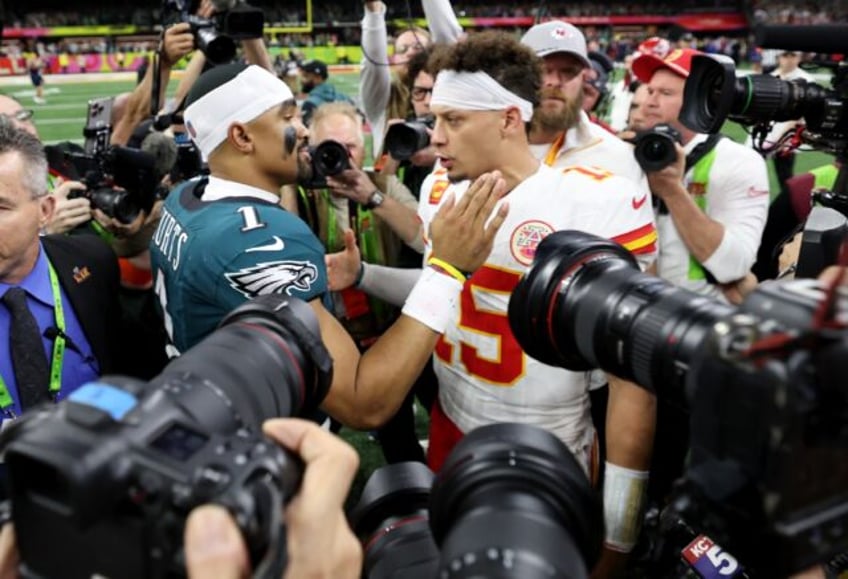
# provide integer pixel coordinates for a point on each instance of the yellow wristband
(447, 268)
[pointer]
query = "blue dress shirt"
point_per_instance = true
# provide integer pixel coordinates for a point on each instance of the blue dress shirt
(79, 365)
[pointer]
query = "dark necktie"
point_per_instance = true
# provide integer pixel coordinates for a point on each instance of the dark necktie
(32, 372)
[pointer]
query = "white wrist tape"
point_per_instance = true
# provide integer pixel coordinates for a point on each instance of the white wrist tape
(433, 299)
(624, 497)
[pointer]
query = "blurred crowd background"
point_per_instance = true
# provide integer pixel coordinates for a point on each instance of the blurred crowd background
(90, 36)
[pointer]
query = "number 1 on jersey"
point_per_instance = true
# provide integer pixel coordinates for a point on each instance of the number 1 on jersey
(251, 218)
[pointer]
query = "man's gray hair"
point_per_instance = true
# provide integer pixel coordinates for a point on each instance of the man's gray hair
(15, 140)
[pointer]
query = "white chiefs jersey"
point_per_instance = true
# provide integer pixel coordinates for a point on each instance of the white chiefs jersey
(484, 376)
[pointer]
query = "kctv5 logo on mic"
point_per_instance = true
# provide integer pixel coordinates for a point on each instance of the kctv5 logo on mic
(709, 560)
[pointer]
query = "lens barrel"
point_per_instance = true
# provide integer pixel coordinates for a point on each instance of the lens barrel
(405, 139)
(392, 521)
(584, 304)
(511, 501)
(330, 158)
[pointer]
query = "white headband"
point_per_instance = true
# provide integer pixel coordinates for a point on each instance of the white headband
(240, 100)
(476, 91)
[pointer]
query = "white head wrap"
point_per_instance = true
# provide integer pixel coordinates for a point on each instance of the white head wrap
(476, 91)
(240, 100)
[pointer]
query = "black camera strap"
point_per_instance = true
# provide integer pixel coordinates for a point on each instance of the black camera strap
(699, 152)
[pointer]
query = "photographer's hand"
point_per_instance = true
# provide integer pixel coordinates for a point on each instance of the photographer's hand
(320, 542)
(669, 181)
(206, 9)
(352, 183)
(69, 213)
(462, 233)
(119, 229)
(735, 292)
(177, 43)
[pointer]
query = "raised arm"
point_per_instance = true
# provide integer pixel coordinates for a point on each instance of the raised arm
(177, 42)
(375, 81)
(441, 20)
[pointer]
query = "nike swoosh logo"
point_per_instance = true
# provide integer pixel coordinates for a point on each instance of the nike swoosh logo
(276, 245)
(637, 203)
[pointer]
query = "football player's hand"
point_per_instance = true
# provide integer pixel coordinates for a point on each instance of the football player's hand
(343, 266)
(462, 233)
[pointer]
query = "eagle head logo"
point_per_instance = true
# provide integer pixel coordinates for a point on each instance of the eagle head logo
(274, 277)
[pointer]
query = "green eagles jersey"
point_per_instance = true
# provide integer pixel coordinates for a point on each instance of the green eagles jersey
(209, 257)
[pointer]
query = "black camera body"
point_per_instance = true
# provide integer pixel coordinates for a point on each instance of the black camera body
(328, 159)
(189, 163)
(107, 477)
(114, 495)
(120, 181)
(825, 231)
(763, 385)
(216, 36)
(654, 149)
(405, 139)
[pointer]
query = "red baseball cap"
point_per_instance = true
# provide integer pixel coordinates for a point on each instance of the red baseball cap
(679, 61)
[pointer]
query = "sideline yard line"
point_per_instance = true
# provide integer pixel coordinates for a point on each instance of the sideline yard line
(57, 141)
(59, 107)
(62, 120)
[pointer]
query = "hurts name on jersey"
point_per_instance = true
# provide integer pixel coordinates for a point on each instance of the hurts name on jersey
(170, 238)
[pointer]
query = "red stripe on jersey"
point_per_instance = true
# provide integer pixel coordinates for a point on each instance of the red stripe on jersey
(639, 240)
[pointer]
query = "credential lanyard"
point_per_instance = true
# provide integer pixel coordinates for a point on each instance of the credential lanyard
(6, 401)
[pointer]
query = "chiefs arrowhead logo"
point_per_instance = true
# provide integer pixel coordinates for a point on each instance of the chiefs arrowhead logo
(525, 238)
(274, 277)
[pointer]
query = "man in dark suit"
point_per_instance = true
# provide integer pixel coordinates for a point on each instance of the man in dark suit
(59, 314)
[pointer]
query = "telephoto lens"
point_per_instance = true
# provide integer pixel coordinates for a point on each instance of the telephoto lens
(655, 149)
(585, 304)
(392, 521)
(405, 139)
(105, 479)
(328, 159)
(512, 502)
(713, 94)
